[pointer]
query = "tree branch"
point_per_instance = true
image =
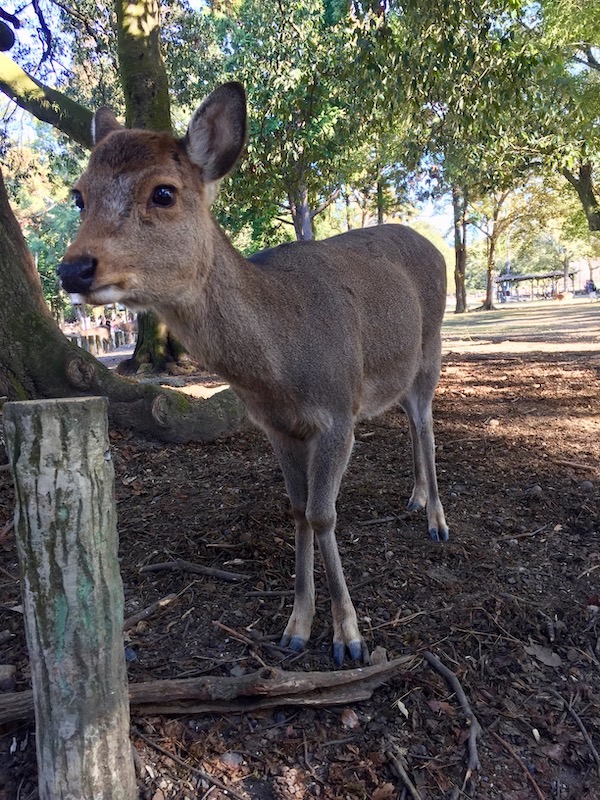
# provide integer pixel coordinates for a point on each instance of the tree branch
(46, 104)
(45, 29)
(326, 203)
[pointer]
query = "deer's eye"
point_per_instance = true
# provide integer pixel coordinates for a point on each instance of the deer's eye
(163, 196)
(78, 200)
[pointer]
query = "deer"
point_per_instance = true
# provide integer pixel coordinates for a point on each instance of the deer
(97, 338)
(311, 335)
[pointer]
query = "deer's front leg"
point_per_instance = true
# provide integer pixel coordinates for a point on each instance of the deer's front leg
(293, 458)
(329, 455)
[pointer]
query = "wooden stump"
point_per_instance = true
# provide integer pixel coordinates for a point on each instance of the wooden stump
(72, 596)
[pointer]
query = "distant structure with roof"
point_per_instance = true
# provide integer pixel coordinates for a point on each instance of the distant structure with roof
(543, 285)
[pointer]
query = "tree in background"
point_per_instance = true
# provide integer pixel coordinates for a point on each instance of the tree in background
(571, 32)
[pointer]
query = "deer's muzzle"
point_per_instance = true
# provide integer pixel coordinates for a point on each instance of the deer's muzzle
(77, 276)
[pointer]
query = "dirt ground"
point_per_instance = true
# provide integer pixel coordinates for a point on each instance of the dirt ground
(510, 604)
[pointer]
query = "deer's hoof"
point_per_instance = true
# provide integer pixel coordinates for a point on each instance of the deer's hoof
(357, 649)
(439, 535)
(295, 643)
(414, 505)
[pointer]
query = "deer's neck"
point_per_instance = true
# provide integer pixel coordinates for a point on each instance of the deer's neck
(219, 321)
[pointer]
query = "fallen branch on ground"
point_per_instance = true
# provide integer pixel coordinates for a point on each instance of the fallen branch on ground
(573, 464)
(521, 763)
(6, 530)
(133, 620)
(266, 688)
(569, 707)
(399, 768)
(188, 566)
(474, 726)
(228, 790)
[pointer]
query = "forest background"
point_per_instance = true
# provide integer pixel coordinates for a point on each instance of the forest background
(483, 116)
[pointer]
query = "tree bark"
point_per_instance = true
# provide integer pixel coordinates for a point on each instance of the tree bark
(459, 205)
(37, 360)
(141, 64)
(301, 215)
(73, 600)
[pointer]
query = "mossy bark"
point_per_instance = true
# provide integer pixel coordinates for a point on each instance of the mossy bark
(142, 69)
(38, 361)
(48, 105)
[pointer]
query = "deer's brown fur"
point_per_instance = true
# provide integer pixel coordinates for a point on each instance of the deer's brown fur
(311, 335)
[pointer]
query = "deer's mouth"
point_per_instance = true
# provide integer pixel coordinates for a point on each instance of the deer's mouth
(116, 293)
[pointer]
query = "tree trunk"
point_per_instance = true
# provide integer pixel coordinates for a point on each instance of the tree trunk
(584, 186)
(459, 204)
(37, 361)
(380, 197)
(488, 303)
(301, 214)
(73, 600)
(349, 225)
(147, 105)
(141, 65)
(566, 267)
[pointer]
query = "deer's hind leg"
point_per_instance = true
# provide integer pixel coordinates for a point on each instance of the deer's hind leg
(417, 406)
(292, 455)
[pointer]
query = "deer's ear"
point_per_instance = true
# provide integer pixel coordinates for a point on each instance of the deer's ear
(103, 123)
(217, 132)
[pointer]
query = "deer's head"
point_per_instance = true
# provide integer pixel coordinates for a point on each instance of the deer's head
(146, 230)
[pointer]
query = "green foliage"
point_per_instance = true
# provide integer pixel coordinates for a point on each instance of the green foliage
(38, 180)
(46, 239)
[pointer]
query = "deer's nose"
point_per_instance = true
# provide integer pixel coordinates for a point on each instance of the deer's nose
(77, 276)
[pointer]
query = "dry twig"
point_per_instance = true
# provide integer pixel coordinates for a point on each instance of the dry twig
(569, 707)
(200, 569)
(520, 762)
(6, 530)
(474, 726)
(398, 763)
(133, 620)
(573, 464)
(195, 770)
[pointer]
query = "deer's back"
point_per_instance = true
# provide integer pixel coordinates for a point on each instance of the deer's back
(356, 314)
(388, 263)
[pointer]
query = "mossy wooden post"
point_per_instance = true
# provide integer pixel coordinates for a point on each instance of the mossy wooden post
(72, 596)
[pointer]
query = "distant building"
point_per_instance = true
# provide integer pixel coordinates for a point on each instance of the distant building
(541, 285)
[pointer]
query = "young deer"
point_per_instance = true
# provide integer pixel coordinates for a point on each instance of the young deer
(311, 335)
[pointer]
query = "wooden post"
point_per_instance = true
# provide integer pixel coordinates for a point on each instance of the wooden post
(72, 596)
